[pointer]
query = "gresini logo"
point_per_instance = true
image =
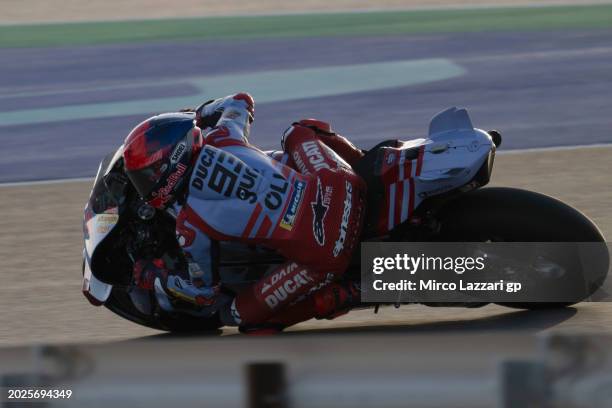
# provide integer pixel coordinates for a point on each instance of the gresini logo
(178, 152)
(319, 210)
(346, 214)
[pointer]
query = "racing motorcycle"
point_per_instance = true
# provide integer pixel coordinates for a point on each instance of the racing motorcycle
(426, 189)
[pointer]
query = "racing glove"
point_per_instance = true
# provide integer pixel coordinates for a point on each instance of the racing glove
(209, 113)
(185, 290)
(145, 271)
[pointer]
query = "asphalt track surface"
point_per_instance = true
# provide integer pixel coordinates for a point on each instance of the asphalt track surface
(540, 88)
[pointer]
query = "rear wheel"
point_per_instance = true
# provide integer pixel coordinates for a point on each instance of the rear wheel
(515, 215)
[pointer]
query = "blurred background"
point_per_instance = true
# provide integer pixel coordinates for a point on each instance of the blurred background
(76, 76)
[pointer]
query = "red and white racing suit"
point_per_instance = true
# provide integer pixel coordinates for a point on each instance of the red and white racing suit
(309, 209)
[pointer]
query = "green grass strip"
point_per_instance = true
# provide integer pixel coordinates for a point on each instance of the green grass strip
(310, 25)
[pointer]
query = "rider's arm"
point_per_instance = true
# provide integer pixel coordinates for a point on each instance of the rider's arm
(201, 287)
(230, 119)
(198, 250)
(339, 144)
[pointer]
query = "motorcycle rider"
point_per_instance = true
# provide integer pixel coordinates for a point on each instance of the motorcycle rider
(306, 204)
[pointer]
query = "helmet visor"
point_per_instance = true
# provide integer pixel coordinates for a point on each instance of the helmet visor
(145, 180)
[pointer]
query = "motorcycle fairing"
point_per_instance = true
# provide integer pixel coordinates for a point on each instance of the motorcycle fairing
(449, 120)
(101, 217)
(97, 292)
(414, 170)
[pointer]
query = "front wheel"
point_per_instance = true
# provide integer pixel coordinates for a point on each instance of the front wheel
(514, 215)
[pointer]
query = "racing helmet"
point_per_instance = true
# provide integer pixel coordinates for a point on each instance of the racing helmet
(158, 154)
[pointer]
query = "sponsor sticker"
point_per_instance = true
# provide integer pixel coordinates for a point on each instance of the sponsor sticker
(225, 174)
(295, 201)
(300, 163)
(346, 214)
(287, 287)
(319, 210)
(104, 222)
(274, 279)
(178, 152)
(277, 192)
(164, 194)
(315, 157)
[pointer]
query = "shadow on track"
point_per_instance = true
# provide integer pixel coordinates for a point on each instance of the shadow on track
(524, 321)
(521, 321)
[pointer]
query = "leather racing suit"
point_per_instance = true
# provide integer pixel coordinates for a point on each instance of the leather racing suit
(308, 208)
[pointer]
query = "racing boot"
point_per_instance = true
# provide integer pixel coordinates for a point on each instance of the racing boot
(336, 299)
